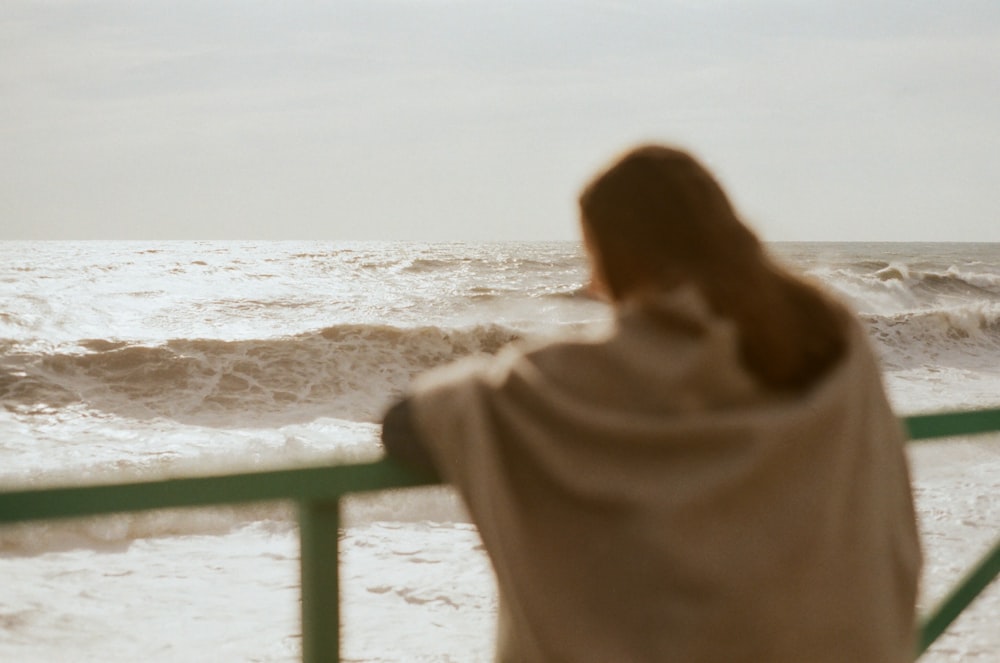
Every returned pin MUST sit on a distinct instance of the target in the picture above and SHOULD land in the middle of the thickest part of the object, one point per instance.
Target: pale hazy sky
(470, 120)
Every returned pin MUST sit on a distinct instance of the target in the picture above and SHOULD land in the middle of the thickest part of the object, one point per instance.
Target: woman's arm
(402, 440)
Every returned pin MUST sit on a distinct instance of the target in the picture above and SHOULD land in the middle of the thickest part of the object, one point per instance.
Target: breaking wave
(345, 371)
(883, 287)
(961, 337)
(352, 371)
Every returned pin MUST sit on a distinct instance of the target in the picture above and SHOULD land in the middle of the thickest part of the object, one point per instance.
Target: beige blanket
(641, 499)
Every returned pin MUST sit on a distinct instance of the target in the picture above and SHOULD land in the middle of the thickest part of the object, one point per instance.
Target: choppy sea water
(144, 360)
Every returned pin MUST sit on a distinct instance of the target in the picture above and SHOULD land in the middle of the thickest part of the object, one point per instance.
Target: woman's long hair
(656, 219)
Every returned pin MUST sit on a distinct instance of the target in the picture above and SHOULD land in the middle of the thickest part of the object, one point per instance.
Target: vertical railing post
(319, 525)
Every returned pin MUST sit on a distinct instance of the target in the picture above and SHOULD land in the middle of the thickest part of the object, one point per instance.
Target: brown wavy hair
(657, 219)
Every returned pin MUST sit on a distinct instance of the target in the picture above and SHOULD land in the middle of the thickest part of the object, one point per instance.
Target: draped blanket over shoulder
(643, 499)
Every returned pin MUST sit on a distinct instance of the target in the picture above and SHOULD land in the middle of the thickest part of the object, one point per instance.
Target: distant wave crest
(883, 287)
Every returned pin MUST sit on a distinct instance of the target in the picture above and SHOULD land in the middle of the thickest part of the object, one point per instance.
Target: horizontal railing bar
(308, 483)
(300, 484)
(950, 424)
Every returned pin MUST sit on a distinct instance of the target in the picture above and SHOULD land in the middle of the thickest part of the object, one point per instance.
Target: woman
(719, 478)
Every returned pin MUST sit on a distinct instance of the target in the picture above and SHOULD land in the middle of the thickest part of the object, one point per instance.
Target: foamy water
(124, 360)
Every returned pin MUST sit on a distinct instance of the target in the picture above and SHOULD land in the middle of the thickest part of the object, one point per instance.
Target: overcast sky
(471, 120)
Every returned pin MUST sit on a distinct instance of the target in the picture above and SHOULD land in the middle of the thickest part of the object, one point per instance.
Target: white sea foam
(133, 361)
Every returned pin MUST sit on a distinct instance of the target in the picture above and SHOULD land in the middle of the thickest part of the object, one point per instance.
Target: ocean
(143, 360)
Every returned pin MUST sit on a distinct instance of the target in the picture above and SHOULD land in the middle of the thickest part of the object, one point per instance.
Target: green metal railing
(317, 490)
(952, 424)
